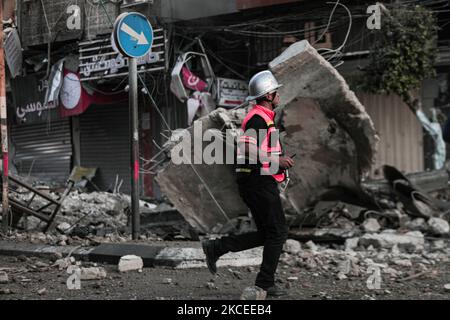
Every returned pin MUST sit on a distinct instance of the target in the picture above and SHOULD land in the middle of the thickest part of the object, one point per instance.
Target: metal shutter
(104, 144)
(43, 150)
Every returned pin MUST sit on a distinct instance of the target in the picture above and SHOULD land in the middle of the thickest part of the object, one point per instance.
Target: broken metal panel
(13, 52)
(176, 84)
(305, 73)
(401, 135)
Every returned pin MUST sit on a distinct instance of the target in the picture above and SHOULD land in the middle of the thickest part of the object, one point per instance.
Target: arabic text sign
(100, 60)
(231, 92)
(29, 97)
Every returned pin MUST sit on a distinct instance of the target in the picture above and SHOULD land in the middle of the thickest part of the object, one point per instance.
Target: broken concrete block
(3, 277)
(410, 241)
(305, 73)
(311, 246)
(130, 263)
(253, 293)
(438, 226)
(93, 273)
(371, 225)
(64, 263)
(42, 291)
(325, 125)
(418, 224)
(351, 244)
(292, 246)
(63, 227)
(402, 262)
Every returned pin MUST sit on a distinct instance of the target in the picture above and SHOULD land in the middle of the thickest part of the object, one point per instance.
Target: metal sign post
(133, 37)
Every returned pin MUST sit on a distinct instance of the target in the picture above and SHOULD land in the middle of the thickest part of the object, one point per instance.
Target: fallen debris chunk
(130, 263)
(42, 291)
(318, 107)
(402, 262)
(63, 227)
(253, 293)
(292, 278)
(93, 273)
(410, 241)
(167, 281)
(3, 277)
(311, 246)
(351, 244)
(447, 287)
(371, 225)
(211, 286)
(64, 263)
(438, 226)
(292, 246)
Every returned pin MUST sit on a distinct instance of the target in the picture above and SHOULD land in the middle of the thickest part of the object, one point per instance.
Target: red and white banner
(193, 82)
(74, 99)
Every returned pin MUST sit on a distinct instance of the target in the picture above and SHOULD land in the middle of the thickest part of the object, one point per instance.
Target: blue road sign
(133, 34)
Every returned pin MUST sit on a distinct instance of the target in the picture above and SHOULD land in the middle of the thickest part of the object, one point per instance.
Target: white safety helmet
(261, 84)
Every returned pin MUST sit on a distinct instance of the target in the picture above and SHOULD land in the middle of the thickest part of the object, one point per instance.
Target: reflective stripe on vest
(265, 144)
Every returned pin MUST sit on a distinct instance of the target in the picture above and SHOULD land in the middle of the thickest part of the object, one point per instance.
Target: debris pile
(324, 123)
(397, 256)
(91, 218)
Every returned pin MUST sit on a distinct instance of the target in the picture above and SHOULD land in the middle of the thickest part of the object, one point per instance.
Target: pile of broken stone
(85, 219)
(408, 248)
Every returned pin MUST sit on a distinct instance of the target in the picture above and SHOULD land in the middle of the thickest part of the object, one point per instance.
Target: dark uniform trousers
(261, 194)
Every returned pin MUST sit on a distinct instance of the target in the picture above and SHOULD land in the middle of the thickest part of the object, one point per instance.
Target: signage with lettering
(29, 96)
(99, 59)
(231, 92)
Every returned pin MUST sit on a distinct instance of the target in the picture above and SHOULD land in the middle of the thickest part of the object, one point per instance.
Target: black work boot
(276, 291)
(211, 254)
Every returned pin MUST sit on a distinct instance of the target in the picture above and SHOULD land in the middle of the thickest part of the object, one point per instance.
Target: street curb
(152, 255)
(9, 248)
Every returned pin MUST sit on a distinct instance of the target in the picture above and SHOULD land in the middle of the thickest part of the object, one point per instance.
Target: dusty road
(28, 277)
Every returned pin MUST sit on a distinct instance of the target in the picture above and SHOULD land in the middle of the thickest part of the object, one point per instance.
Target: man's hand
(286, 162)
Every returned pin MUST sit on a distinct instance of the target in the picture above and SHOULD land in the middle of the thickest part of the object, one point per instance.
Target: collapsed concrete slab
(324, 124)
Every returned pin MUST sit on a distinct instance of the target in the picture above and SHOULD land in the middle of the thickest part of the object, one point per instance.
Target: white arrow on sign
(141, 39)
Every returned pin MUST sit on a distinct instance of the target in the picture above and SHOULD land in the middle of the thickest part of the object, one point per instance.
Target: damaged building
(68, 108)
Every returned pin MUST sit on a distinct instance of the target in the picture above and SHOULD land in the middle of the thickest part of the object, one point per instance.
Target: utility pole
(4, 128)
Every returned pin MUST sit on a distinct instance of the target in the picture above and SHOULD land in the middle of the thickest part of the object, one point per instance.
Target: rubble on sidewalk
(93, 273)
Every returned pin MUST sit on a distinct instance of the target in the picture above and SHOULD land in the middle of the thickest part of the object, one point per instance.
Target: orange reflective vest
(265, 145)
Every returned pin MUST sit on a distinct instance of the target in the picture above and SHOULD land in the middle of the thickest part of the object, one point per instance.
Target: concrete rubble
(130, 263)
(344, 263)
(438, 226)
(253, 293)
(325, 125)
(3, 277)
(93, 273)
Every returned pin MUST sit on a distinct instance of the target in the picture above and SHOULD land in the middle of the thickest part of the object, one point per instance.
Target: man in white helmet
(257, 177)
